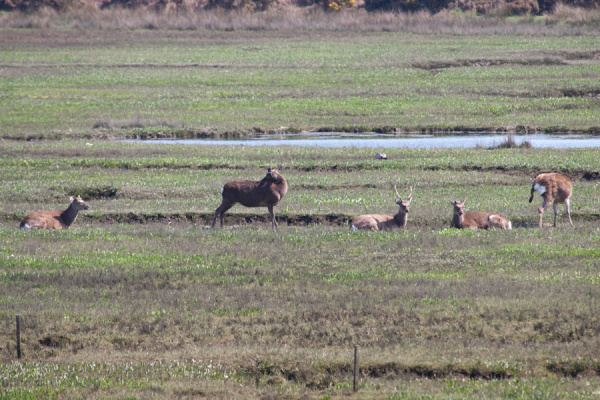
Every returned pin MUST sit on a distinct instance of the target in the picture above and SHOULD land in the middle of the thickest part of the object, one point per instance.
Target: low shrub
(484, 7)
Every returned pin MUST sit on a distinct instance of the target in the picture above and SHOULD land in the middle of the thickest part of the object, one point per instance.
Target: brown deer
(54, 219)
(554, 188)
(265, 193)
(476, 219)
(375, 222)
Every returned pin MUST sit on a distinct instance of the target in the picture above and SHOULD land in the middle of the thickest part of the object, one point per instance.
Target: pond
(382, 141)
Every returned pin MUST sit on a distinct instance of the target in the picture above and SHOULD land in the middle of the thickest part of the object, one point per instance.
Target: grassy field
(73, 83)
(141, 299)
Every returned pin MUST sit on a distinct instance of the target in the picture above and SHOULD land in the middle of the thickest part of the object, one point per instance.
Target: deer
(476, 219)
(554, 188)
(267, 192)
(375, 222)
(54, 219)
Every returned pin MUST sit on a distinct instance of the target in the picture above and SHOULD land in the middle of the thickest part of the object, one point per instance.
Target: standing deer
(476, 219)
(554, 188)
(265, 193)
(54, 219)
(375, 222)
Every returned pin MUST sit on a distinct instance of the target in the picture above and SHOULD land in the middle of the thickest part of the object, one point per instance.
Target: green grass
(140, 298)
(187, 83)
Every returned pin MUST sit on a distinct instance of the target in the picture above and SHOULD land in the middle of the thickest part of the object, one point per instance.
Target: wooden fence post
(355, 386)
(18, 336)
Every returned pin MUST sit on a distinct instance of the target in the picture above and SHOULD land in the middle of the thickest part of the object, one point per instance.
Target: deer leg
(567, 206)
(272, 214)
(212, 224)
(555, 206)
(541, 211)
(220, 211)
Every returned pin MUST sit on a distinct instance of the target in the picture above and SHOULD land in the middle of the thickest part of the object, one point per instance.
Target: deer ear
(464, 200)
(452, 202)
(71, 199)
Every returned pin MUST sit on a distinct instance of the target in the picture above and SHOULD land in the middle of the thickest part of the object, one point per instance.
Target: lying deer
(476, 219)
(54, 219)
(375, 222)
(265, 193)
(554, 188)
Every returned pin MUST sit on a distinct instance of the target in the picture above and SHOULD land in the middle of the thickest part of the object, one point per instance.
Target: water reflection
(381, 141)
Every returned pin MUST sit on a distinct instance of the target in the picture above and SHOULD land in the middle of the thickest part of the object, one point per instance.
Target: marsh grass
(510, 143)
(139, 307)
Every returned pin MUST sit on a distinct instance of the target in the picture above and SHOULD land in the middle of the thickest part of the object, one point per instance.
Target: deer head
(404, 204)
(273, 173)
(78, 203)
(459, 207)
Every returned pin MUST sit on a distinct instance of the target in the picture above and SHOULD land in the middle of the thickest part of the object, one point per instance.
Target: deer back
(42, 220)
(374, 222)
(552, 186)
(476, 220)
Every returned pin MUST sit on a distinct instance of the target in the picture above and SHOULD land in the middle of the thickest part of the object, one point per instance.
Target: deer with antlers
(554, 188)
(264, 193)
(54, 219)
(375, 222)
(476, 219)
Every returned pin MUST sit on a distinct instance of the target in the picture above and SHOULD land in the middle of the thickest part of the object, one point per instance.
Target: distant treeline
(495, 7)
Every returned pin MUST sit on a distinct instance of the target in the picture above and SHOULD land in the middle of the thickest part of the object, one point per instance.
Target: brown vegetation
(510, 143)
(484, 7)
(289, 18)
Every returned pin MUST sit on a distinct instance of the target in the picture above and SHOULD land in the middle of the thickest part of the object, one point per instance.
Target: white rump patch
(541, 189)
(354, 228)
(497, 221)
(223, 188)
(26, 226)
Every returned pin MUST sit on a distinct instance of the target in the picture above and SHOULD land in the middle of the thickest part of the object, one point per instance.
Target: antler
(409, 196)
(397, 192)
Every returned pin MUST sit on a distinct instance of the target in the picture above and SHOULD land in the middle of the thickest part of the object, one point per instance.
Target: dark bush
(433, 6)
(252, 5)
(495, 7)
(506, 7)
(519, 7)
(35, 5)
(547, 6)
